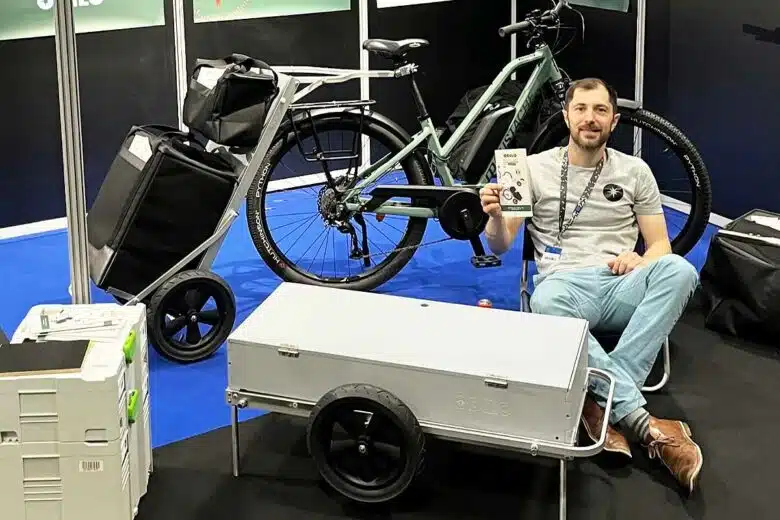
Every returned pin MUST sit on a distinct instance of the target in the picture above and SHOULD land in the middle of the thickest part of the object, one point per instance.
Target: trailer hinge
(288, 351)
(496, 383)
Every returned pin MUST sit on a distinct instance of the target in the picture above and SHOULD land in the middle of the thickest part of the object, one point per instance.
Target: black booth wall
(127, 77)
(723, 88)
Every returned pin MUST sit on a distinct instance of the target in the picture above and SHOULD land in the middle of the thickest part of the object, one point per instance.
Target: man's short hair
(591, 84)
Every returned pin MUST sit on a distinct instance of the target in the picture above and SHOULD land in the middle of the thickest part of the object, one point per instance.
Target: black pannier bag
(740, 280)
(164, 195)
(476, 149)
(228, 99)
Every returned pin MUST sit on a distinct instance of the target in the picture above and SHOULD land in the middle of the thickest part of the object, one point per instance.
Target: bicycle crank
(461, 216)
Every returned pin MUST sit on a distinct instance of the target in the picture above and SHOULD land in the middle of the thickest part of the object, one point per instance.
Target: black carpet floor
(728, 390)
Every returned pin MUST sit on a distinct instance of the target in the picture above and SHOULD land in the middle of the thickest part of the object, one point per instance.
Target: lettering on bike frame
(523, 108)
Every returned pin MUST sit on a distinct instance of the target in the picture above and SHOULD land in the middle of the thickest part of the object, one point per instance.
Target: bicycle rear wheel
(291, 198)
(679, 169)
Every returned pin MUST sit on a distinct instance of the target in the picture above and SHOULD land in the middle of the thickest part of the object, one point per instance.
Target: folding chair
(606, 340)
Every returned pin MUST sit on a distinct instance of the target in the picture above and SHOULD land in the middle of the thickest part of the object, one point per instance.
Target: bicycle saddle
(393, 48)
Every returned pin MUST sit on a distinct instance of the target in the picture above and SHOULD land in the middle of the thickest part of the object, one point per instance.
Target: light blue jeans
(644, 305)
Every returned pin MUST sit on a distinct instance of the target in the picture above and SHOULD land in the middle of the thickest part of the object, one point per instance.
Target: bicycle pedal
(481, 261)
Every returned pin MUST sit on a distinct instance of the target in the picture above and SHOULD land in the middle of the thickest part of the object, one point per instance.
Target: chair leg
(667, 370)
(525, 301)
(525, 295)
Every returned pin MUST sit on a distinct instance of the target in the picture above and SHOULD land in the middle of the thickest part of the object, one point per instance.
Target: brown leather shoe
(592, 420)
(672, 443)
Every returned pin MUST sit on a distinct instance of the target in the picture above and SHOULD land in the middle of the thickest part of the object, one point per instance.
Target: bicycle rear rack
(319, 154)
(321, 105)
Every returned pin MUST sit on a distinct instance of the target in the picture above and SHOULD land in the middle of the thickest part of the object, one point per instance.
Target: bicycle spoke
(292, 214)
(323, 232)
(325, 254)
(389, 225)
(293, 185)
(302, 233)
(382, 232)
(333, 243)
(313, 217)
(310, 220)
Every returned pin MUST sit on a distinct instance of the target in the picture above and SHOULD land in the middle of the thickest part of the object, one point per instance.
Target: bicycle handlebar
(546, 17)
(513, 28)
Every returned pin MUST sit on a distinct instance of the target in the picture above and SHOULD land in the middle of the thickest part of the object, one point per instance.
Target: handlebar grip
(513, 28)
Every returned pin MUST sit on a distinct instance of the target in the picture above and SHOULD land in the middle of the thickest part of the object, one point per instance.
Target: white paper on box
(513, 175)
(141, 147)
(209, 76)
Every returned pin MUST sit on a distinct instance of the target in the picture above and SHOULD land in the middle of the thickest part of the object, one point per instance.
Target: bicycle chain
(399, 249)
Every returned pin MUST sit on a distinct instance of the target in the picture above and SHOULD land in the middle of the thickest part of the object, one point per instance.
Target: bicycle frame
(545, 70)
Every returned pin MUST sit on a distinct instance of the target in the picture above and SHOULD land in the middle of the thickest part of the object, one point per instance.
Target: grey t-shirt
(606, 226)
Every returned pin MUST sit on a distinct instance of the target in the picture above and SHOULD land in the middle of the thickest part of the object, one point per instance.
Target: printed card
(513, 175)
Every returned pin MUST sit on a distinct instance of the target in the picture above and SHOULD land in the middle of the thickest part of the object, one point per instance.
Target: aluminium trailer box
(464, 371)
(76, 437)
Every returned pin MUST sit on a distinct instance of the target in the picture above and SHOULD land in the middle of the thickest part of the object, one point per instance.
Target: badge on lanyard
(552, 254)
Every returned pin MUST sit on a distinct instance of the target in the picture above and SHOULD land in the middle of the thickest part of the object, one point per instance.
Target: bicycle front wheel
(294, 214)
(678, 167)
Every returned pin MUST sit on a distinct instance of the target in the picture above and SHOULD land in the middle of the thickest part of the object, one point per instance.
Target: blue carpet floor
(189, 400)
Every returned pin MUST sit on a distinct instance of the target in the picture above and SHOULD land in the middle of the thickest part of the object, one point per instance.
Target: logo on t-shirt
(613, 192)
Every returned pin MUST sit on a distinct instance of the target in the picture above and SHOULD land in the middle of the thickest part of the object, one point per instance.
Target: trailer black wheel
(367, 444)
(190, 316)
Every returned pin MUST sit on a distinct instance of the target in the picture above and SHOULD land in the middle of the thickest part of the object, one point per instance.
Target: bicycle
(422, 160)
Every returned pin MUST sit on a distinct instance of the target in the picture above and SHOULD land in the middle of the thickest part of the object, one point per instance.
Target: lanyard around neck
(563, 227)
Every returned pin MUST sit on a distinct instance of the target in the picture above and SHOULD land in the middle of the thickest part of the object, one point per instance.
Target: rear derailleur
(335, 214)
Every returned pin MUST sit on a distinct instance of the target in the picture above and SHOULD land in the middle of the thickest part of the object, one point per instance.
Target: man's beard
(590, 144)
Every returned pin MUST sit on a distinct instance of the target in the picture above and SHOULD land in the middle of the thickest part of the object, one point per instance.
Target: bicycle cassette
(461, 215)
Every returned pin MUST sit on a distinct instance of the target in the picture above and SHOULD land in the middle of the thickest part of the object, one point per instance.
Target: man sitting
(588, 269)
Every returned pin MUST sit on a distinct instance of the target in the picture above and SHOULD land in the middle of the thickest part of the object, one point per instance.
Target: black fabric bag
(507, 95)
(232, 109)
(162, 197)
(740, 281)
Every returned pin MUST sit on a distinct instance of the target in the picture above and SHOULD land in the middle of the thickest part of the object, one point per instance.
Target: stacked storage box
(75, 440)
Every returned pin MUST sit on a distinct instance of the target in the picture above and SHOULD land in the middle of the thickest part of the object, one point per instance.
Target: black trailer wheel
(190, 316)
(367, 444)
